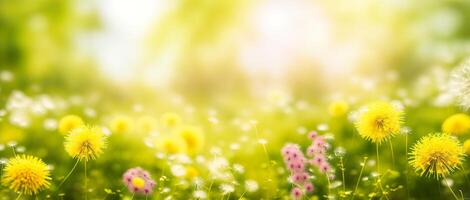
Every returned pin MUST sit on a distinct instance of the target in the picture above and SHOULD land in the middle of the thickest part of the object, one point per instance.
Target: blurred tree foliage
(38, 42)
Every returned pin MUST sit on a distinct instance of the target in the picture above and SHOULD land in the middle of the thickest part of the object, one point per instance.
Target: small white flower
(251, 186)
(459, 84)
(227, 188)
(238, 168)
(50, 124)
(200, 194)
(178, 170)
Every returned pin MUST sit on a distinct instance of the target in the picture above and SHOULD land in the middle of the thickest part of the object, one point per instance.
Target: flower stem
(359, 178)
(342, 172)
(19, 196)
(406, 175)
(393, 155)
(86, 182)
(329, 185)
(379, 180)
(450, 188)
(68, 175)
(132, 197)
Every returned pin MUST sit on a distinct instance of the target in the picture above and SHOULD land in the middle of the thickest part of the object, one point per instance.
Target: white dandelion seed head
(90, 112)
(12, 143)
(3, 161)
(6, 76)
(178, 170)
(234, 146)
(20, 118)
(323, 127)
(459, 84)
(447, 181)
(340, 151)
(50, 124)
(251, 186)
(200, 194)
(238, 168)
(227, 188)
(216, 151)
(200, 159)
(20, 149)
(106, 131)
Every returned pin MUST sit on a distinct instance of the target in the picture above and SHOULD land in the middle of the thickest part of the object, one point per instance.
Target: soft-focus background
(250, 75)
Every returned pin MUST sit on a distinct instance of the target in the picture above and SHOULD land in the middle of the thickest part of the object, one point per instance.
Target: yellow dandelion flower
(466, 146)
(456, 124)
(379, 122)
(121, 124)
(436, 154)
(171, 145)
(26, 175)
(191, 172)
(69, 122)
(338, 108)
(170, 119)
(193, 138)
(146, 123)
(85, 142)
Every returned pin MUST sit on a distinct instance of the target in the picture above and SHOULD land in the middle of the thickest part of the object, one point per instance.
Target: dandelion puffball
(460, 84)
(26, 174)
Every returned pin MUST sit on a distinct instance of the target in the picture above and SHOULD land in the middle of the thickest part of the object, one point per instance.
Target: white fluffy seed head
(460, 84)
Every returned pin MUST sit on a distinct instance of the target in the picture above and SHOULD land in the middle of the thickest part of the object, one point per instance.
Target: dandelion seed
(437, 154)
(85, 142)
(26, 175)
(379, 122)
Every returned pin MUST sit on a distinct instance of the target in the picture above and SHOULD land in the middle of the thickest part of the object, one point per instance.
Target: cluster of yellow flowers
(435, 154)
(28, 175)
(181, 138)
